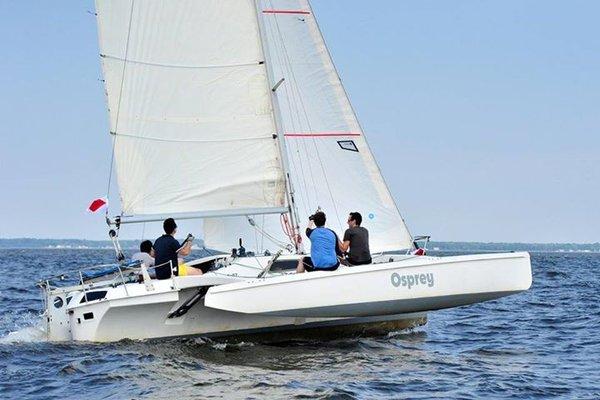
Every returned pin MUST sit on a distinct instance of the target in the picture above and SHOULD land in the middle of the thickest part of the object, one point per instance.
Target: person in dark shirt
(356, 238)
(323, 247)
(167, 248)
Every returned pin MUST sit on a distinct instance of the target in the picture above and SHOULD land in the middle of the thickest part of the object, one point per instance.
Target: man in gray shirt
(356, 238)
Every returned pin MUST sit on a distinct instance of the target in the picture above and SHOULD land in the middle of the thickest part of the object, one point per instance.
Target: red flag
(97, 205)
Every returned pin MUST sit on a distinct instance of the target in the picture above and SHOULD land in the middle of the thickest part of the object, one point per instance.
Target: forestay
(190, 109)
(331, 164)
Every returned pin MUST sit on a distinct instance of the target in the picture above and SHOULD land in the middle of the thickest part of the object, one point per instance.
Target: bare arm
(344, 246)
(185, 250)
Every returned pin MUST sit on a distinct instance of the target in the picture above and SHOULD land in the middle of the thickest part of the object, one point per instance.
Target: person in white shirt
(146, 254)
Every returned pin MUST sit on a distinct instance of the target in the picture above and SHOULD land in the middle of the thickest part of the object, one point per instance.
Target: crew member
(167, 248)
(323, 246)
(146, 254)
(356, 238)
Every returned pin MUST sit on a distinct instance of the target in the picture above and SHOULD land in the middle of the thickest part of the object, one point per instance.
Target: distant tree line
(539, 247)
(30, 243)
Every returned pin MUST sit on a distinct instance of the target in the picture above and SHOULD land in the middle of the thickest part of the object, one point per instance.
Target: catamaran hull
(394, 293)
(404, 286)
(113, 321)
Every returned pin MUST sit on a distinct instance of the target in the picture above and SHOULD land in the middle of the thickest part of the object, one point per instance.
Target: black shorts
(352, 262)
(309, 267)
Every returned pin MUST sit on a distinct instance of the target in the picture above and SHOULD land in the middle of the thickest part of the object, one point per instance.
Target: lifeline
(412, 280)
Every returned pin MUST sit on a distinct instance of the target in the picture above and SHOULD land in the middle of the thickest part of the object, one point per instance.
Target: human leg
(194, 271)
(186, 270)
(304, 265)
(300, 267)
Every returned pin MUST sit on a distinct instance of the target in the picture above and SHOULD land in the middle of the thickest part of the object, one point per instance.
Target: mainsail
(330, 163)
(190, 108)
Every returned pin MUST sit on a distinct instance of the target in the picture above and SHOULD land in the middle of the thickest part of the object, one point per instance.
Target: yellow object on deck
(182, 269)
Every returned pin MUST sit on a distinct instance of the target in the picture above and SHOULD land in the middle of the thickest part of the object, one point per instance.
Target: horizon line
(431, 241)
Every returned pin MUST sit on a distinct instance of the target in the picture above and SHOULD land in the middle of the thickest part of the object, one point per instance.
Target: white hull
(145, 316)
(145, 321)
(405, 286)
(356, 298)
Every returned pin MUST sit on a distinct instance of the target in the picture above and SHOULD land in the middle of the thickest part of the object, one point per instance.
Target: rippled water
(540, 344)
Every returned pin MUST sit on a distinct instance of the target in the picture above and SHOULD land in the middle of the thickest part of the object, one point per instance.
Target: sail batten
(166, 65)
(216, 140)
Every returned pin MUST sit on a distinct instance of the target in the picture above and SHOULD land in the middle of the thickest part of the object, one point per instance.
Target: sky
(484, 116)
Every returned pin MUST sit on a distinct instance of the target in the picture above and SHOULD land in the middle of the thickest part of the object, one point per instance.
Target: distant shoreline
(74, 244)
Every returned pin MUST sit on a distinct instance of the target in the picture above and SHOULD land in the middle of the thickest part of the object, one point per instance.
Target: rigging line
(295, 153)
(387, 188)
(258, 262)
(294, 150)
(292, 102)
(256, 248)
(112, 157)
(262, 238)
(297, 98)
(301, 157)
(304, 194)
(275, 273)
(275, 241)
(237, 276)
(333, 202)
(110, 169)
(276, 115)
(309, 124)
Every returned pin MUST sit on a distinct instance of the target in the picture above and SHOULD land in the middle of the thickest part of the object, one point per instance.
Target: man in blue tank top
(323, 247)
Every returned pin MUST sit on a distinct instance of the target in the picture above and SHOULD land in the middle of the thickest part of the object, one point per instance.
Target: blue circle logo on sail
(371, 215)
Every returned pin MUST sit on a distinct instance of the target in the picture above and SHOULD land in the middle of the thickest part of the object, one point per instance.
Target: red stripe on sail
(97, 204)
(286, 12)
(321, 134)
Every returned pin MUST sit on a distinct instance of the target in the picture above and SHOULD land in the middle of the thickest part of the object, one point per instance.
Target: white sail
(189, 106)
(331, 165)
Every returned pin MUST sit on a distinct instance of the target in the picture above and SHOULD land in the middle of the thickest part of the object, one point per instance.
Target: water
(544, 343)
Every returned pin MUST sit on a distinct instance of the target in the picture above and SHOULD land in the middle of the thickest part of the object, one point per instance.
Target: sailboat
(232, 112)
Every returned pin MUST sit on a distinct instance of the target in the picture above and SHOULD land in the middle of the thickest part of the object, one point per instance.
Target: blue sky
(483, 115)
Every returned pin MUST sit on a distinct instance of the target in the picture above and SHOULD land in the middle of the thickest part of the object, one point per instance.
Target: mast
(292, 208)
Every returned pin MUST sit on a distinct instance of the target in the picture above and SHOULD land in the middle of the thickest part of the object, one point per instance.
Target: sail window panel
(347, 145)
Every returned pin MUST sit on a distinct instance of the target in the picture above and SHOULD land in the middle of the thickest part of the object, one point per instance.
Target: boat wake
(231, 346)
(27, 328)
(221, 345)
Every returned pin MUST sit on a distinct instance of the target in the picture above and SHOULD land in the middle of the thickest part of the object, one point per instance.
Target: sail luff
(277, 117)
